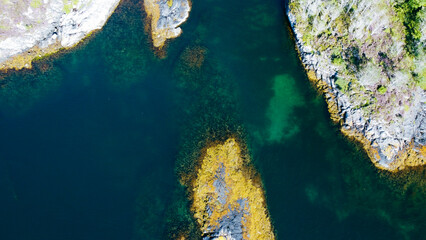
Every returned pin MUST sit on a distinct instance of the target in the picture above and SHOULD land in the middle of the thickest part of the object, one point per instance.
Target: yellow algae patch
(25, 59)
(408, 157)
(169, 3)
(224, 165)
(152, 10)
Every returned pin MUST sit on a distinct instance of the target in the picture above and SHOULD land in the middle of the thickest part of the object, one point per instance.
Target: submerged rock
(34, 28)
(165, 17)
(368, 58)
(228, 201)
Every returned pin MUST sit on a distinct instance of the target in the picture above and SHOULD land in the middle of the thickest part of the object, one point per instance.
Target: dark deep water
(90, 140)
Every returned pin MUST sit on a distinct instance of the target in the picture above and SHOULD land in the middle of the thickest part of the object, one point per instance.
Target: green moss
(382, 89)
(36, 3)
(4, 27)
(307, 38)
(422, 84)
(338, 61)
(422, 79)
(342, 84)
(294, 5)
(67, 8)
(406, 108)
(68, 5)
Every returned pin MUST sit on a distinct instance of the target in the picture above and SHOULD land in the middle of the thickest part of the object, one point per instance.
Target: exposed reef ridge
(228, 200)
(165, 17)
(33, 28)
(368, 58)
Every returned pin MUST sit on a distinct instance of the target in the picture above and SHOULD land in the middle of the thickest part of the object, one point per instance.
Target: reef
(31, 29)
(164, 19)
(227, 198)
(368, 59)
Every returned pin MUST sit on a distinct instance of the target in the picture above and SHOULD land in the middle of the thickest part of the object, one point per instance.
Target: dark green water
(92, 142)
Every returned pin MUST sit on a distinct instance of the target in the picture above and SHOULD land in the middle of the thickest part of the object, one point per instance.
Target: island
(368, 59)
(227, 196)
(31, 29)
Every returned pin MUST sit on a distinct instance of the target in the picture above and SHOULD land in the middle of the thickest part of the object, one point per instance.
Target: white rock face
(25, 24)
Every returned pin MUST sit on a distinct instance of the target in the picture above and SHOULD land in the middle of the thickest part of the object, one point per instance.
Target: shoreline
(163, 20)
(25, 60)
(62, 31)
(238, 208)
(408, 157)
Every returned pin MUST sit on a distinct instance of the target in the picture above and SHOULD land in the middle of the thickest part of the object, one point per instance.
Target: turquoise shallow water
(93, 141)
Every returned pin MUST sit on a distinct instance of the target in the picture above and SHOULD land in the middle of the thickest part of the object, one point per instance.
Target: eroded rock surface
(165, 17)
(33, 28)
(228, 201)
(368, 57)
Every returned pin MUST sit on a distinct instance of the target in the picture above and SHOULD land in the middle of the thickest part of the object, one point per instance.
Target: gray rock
(25, 24)
(357, 48)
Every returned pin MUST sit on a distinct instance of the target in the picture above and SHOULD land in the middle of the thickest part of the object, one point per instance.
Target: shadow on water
(94, 142)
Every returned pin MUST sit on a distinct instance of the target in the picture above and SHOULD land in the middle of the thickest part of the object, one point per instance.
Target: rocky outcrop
(33, 28)
(228, 201)
(165, 17)
(368, 58)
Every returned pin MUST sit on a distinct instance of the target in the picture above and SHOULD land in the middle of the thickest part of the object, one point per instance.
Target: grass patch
(342, 84)
(382, 89)
(36, 3)
(408, 11)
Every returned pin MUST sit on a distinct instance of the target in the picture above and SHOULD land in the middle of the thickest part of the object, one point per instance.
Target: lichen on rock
(164, 19)
(228, 200)
(31, 29)
(367, 57)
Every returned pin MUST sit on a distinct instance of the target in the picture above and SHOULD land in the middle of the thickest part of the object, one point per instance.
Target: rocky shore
(228, 200)
(165, 17)
(368, 59)
(31, 29)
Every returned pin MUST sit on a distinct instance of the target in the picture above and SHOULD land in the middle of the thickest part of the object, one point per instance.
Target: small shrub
(382, 89)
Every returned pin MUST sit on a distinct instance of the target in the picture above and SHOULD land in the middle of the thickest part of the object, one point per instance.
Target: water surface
(92, 141)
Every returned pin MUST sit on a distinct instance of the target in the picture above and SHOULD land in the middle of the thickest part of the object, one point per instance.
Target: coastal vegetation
(368, 59)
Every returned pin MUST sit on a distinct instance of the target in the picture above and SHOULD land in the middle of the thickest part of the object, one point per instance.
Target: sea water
(93, 140)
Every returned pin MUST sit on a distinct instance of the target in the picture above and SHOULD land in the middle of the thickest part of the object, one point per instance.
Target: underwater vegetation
(279, 112)
(226, 136)
(126, 60)
(21, 90)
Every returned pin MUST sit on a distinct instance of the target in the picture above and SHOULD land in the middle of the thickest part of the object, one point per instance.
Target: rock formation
(33, 28)
(368, 58)
(228, 201)
(165, 17)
